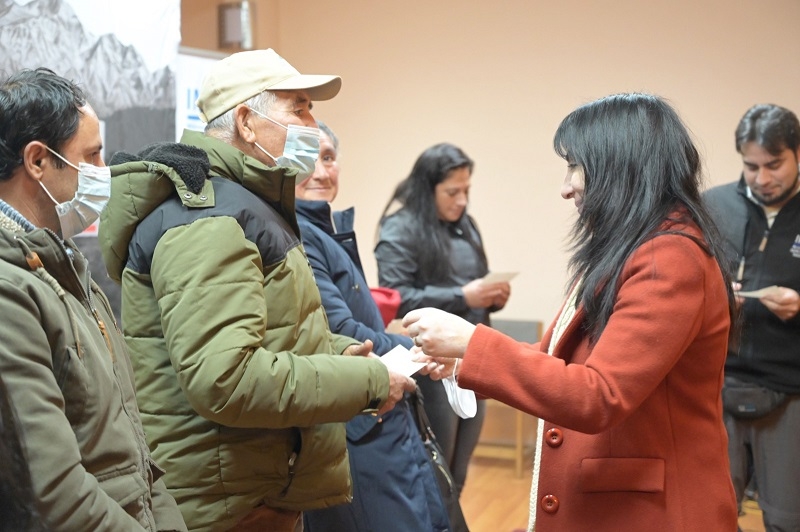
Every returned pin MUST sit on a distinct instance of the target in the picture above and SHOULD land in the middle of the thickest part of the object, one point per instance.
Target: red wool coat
(633, 436)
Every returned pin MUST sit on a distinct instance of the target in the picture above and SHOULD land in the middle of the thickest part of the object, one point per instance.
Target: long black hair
(640, 168)
(417, 194)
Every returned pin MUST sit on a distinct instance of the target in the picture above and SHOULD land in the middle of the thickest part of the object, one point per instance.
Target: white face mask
(300, 150)
(94, 189)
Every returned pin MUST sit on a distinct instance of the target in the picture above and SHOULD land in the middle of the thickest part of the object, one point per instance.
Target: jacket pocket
(74, 382)
(123, 485)
(622, 474)
(155, 471)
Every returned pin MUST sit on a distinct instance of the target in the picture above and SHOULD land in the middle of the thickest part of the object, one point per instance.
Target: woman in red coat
(626, 382)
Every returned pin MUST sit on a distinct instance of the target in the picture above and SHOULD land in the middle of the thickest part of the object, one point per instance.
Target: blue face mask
(94, 189)
(300, 151)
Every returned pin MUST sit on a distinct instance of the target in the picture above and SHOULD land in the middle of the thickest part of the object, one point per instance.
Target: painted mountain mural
(135, 105)
(48, 33)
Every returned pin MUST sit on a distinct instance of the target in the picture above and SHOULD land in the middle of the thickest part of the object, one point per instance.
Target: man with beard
(760, 219)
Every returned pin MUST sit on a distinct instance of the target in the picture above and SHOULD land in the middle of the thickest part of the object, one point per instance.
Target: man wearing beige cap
(240, 384)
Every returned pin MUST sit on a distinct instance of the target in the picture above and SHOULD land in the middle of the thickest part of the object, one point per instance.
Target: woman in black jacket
(430, 250)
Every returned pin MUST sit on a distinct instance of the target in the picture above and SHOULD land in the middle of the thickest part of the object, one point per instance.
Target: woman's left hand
(502, 295)
(439, 334)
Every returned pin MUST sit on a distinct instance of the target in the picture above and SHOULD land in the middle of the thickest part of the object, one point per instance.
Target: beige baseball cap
(242, 75)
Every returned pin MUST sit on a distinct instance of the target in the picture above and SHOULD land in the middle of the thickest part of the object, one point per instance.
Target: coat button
(554, 437)
(550, 504)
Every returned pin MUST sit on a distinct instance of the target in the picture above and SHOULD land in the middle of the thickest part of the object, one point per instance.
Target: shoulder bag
(441, 470)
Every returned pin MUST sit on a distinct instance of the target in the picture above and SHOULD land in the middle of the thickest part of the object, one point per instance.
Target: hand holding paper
(401, 360)
(492, 290)
(780, 300)
(761, 292)
(498, 277)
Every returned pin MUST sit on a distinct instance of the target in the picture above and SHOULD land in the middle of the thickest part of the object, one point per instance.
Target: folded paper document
(401, 360)
(498, 277)
(761, 292)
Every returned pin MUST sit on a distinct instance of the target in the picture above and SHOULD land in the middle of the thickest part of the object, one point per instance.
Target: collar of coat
(320, 214)
(138, 187)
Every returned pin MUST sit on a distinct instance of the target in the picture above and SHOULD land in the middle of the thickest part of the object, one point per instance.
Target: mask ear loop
(257, 145)
(47, 192)
(265, 117)
(268, 154)
(61, 157)
(66, 162)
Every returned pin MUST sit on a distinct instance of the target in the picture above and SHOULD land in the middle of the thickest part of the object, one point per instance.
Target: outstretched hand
(439, 334)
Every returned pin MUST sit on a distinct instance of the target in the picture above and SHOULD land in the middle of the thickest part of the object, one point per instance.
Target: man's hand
(359, 350)
(784, 303)
(398, 385)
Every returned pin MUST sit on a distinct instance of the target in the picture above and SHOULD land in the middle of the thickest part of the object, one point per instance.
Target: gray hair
(328, 131)
(224, 126)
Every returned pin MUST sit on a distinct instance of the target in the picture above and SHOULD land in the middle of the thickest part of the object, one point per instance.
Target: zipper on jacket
(102, 325)
(87, 292)
(764, 239)
(292, 460)
(761, 247)
(296, 447)
(107, 306)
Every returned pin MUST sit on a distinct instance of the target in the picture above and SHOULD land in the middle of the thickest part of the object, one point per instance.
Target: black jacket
(768, 350)
(398, 253)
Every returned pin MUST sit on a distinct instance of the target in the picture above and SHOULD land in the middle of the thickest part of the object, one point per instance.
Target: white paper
(499, 277)
(401, 360)
(463, 402)
(761, 292)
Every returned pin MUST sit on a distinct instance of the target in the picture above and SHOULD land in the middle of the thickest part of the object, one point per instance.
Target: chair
(523, 331)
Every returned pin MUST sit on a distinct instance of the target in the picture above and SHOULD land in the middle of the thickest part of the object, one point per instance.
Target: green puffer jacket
(70, 382)
(219, 302)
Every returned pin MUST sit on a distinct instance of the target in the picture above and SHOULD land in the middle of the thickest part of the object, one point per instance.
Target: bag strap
(417, 402)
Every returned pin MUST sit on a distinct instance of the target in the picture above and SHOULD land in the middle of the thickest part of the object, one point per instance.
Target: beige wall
(497, 77)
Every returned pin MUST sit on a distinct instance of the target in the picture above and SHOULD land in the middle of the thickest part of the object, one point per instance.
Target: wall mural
(121, 53)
